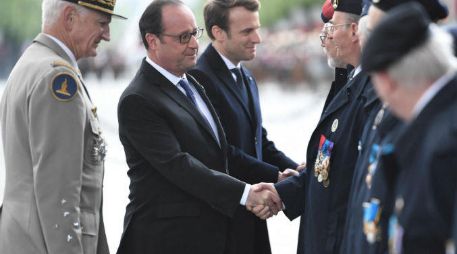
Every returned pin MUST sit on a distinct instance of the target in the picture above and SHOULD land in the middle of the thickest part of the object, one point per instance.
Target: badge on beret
(64, 87)
(335, 4)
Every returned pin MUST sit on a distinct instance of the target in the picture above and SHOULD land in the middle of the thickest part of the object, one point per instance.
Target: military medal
(379, 116)
(371, 216)
(322, 164)
(373, 162)
(98, 149)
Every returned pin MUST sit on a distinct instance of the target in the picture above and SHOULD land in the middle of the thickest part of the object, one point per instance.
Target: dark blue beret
(435, 8)
(348, 6)
(403, 29)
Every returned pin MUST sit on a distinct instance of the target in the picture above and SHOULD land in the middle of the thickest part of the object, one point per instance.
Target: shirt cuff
(244, 198)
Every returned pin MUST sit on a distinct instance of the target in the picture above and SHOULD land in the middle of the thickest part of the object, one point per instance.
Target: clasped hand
(263, 200)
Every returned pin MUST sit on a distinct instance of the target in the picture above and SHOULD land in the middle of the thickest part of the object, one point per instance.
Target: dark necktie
(241, 86)
(185, 85)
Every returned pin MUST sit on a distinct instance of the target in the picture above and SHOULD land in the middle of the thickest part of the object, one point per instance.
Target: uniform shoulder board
(58, 63)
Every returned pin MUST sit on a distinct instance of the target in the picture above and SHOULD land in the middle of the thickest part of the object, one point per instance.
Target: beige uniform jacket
(53, 157)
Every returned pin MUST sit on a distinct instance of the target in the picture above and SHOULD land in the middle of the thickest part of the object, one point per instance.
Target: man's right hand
(263, 200)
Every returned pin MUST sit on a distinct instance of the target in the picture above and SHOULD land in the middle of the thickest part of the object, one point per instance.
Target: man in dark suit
(417, 79)
(233, 27)
(181, 196)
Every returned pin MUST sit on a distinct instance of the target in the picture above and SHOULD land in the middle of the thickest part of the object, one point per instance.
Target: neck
(224, 52)
(62, 36)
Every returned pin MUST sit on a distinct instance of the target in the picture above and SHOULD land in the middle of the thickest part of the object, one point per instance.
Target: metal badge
(335, 125)
(98, 149)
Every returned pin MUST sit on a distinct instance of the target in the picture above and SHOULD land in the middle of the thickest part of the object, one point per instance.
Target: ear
(354, 30)
(69, 17)
(218, 33)
(152, 40)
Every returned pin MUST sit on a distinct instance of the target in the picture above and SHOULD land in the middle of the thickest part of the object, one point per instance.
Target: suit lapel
(177, 96)
(226, 77)
(252, 95)
(201, 91)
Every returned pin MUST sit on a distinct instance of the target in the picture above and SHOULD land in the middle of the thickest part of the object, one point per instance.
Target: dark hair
(216, 12)
(151, 20)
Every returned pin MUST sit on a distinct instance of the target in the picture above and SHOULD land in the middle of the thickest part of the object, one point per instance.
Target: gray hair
(428, 62)
(51, 11)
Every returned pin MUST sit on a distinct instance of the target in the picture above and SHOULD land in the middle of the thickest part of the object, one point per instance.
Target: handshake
(263, 199)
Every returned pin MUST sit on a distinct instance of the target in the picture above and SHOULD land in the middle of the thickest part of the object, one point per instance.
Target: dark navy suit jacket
(242, 124)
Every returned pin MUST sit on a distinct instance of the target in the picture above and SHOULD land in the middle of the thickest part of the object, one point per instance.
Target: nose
(256, 38)
(193, 42)
(106, 35)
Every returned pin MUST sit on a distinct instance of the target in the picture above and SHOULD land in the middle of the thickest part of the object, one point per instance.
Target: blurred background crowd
(290, 53)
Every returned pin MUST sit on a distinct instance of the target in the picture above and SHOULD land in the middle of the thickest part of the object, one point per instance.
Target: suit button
(255, 140)
(399, 204)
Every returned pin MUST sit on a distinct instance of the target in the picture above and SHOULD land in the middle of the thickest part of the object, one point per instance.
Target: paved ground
(289, 116)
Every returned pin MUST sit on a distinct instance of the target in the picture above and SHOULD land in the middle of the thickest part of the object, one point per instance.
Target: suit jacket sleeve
(57, 147)
(154, 139)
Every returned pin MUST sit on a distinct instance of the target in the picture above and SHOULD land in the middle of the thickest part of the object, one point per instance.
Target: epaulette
(57, 63)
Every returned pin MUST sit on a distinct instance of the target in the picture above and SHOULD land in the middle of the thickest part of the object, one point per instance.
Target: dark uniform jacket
(243, 127)
(425, 186)
(380, 127)
(323, 209)
(181, 197)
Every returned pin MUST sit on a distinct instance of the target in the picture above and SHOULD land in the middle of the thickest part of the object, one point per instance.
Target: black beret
(348, 6)
(403, 29)
(104, 6)
(435, 8)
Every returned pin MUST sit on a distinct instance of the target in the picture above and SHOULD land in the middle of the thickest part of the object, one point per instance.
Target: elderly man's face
(90, 29)
(330, 49)
(167, 49)
(338, 39)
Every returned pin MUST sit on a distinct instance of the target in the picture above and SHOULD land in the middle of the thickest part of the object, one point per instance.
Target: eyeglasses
(330, 28)
(184, 38)
(324, 32)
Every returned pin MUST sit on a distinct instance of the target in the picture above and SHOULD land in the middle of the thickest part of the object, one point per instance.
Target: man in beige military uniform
(52, 141)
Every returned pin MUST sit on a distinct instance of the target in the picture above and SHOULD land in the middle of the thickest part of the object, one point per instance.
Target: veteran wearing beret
(414, 72)
(53, 145)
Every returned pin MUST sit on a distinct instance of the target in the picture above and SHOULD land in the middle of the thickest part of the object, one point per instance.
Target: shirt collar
(66, 49)
(357, 70)
(171, 77)
(431, 92)
(228, 63)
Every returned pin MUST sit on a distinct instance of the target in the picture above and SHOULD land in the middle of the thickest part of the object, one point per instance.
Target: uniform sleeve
(149, 133)
(57, 144)
(293, 195)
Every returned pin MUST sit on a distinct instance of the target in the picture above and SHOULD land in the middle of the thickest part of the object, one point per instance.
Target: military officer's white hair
(428, 62)
(52, 8)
